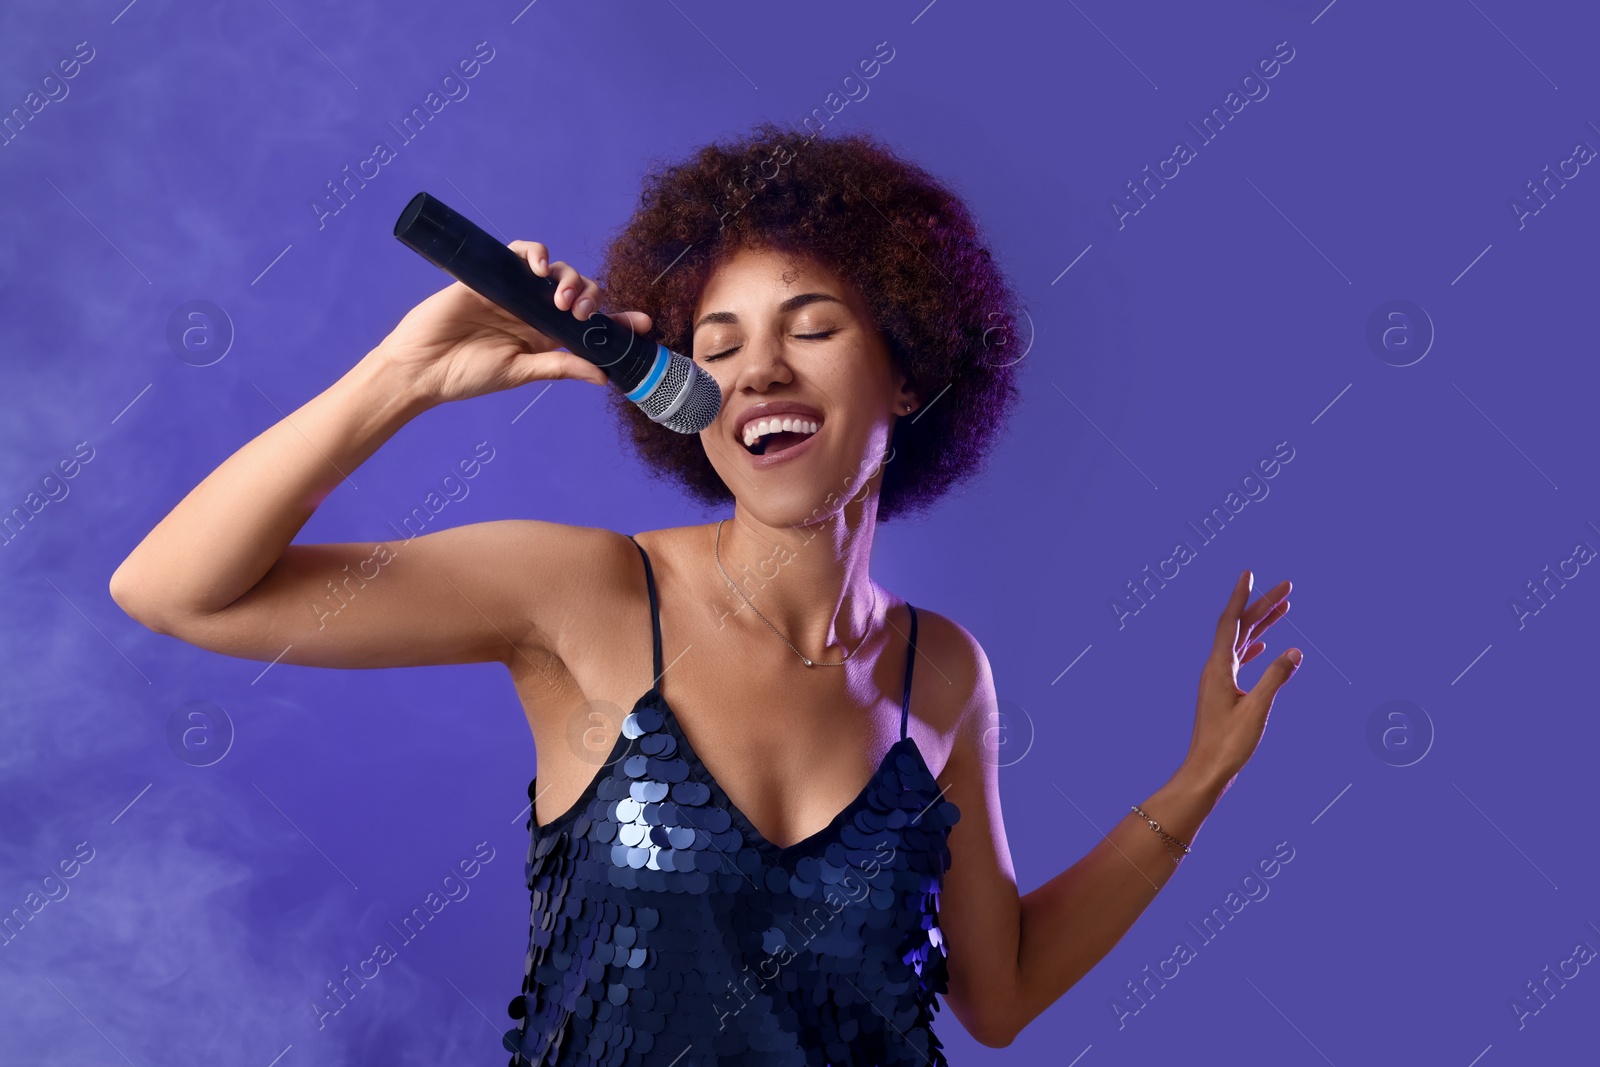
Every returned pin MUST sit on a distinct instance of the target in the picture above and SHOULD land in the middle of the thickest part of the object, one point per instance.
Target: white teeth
(756, 429)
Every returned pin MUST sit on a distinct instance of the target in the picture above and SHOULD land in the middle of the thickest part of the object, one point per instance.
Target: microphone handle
(458, 246)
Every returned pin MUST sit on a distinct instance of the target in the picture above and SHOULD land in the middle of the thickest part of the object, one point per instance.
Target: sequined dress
(666, 930)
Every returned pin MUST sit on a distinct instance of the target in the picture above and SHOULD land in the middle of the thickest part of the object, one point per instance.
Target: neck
(811, 581)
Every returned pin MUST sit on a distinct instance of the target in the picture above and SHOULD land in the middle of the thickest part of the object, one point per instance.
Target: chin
(798, 503)
(789, 506)
(811, 485)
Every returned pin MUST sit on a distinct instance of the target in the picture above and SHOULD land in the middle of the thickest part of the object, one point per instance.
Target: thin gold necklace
(716, 552)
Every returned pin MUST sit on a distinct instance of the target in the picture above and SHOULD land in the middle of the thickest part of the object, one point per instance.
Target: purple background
(1229, 314)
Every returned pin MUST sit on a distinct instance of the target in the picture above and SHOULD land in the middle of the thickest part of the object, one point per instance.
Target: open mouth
(763, 436)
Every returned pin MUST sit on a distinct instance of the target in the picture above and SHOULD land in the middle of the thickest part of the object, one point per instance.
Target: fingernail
(584, 307)
(1294, 656)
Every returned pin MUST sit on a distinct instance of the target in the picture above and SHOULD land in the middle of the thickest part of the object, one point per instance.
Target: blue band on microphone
(651, 380)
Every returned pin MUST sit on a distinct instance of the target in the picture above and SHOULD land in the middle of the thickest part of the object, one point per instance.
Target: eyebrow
(793, 303)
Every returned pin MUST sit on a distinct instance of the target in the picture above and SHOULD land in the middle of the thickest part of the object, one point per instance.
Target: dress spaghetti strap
(655, 611)
(911, 659)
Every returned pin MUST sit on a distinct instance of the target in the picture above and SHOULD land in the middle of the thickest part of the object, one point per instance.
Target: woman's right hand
(458, 344)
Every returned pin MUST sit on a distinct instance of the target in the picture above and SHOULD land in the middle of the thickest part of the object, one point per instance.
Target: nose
(763, 365)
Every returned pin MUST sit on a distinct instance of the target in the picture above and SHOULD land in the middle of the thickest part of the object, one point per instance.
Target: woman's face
(791, 344)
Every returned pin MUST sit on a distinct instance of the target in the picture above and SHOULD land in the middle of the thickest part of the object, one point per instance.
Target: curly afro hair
(943, 305)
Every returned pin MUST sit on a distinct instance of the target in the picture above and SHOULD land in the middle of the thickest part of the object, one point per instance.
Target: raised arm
(1013, 956)
(219, 570)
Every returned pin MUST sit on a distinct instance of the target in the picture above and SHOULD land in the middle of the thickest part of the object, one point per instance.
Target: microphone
(669, 388)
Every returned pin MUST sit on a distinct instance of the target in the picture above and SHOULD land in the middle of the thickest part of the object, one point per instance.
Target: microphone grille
(686, 400)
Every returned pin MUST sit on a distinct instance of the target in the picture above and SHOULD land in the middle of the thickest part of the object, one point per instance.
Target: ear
(906, 400)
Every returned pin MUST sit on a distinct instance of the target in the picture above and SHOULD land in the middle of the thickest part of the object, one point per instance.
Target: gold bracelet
(1166, 839)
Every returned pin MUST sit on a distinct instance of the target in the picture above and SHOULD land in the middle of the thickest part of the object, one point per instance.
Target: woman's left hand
(1228, 721)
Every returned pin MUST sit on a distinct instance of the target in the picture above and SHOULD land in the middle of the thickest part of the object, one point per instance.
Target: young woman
(791, 840)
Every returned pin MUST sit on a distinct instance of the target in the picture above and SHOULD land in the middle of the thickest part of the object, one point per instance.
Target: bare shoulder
(953, 669)
(551, 555)
(566, 566)
(556, 575)
(594, 580)
(582, 555)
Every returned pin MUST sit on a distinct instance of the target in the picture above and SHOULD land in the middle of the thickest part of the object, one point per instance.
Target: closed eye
(803, 336)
